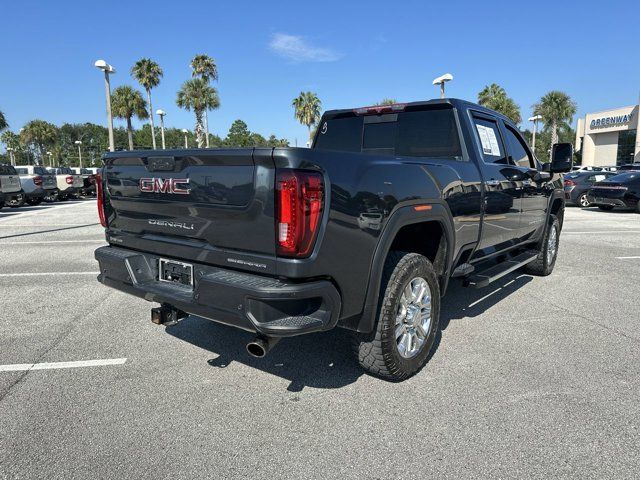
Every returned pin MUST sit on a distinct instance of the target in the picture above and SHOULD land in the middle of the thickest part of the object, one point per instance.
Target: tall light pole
(107, 69)
(79, 143)
(12, 159)
(535, 120)
(447, 77)
(161, 113)
(50, 159)
(186, 143)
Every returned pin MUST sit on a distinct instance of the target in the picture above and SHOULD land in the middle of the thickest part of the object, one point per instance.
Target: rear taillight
(69, 180)
(100, 197)
(37, 181)
(299, 199)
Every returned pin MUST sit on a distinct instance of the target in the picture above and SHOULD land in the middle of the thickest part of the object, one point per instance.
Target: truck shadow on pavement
(325, 360)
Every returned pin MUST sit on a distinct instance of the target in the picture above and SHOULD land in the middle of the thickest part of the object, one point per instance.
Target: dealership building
(609, 137)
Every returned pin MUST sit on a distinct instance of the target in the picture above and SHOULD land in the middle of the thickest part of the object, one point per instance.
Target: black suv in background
(621, 190)
(577, 185)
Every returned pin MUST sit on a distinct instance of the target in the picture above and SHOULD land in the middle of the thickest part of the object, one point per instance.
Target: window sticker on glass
(490, 145)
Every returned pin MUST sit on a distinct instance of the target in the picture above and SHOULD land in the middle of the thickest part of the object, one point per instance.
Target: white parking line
(50, 225)
(39, 211)
(45, 274)
(53, 241)
(601, 231)
(628, 258)
(21, 367)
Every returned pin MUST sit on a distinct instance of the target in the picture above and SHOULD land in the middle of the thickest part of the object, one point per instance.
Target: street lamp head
(78, 142)
(49, 153)
(535, 118)
(102, 65)
(185, 131)
(161, 112)
(447, 77)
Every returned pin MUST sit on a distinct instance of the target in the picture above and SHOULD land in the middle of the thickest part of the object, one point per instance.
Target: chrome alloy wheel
(552, 244)
(583, 200)
(413, 319)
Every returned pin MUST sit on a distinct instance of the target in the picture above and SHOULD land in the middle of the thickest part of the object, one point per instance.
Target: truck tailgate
(10, 183)
(215, 199)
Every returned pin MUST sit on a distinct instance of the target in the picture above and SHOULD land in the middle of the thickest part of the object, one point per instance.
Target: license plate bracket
(174, 272)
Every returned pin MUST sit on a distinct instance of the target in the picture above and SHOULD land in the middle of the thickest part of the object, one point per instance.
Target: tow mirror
(561, 157)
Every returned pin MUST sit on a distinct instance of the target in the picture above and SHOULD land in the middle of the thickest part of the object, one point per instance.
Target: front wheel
(408, 319)
(548, 251)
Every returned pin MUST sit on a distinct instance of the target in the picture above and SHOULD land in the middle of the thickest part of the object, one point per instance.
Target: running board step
(485, 277)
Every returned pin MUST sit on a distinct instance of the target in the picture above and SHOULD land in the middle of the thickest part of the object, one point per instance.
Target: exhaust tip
(256, 349)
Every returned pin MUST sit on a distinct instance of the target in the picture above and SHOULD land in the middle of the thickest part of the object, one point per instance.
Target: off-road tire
(19, 204)
(543, 265)
(377, 352)
(605, 207)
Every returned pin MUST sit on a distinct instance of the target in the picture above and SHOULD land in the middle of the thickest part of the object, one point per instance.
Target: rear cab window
(7, 170)
(432, 132)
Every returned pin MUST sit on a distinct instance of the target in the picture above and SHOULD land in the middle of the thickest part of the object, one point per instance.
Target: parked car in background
(88, 180)
(12, 193)
(68, 183)
(590, 168)
(28, 174)
(577, 185)
(629, 166)
(621, 190)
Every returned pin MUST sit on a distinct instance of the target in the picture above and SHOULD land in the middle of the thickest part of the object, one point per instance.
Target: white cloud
(296, 48)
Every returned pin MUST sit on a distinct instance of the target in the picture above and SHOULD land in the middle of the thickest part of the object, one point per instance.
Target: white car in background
(11, 193)
(68, 183)
(37, 183)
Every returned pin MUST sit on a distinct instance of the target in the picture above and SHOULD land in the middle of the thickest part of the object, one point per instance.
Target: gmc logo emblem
(178, 186)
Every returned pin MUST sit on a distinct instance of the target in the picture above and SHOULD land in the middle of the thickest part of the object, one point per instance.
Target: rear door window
(490, 141)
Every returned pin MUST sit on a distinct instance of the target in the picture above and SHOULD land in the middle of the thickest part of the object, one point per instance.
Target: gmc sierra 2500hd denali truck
(363, 231)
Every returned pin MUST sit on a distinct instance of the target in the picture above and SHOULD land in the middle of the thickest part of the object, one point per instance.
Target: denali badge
(165, 185)
(165, 223)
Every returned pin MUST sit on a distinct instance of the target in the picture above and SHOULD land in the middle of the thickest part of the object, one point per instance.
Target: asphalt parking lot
(533, 377)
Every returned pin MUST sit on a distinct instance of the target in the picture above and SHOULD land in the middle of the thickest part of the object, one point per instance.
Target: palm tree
(3, 122)
(125, 103)
(495, 97)
(41, 134)
(148, 74)
(387, 101)
(197, 95)
(307, 109)
(203, 66)
(557, 110)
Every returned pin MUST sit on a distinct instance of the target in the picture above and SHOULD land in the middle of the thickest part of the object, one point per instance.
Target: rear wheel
(408, 319)
(583, 201)
(548, 252)
(605, 207)
(18, 203)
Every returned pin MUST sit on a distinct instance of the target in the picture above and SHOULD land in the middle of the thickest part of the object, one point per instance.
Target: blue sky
(350, 53)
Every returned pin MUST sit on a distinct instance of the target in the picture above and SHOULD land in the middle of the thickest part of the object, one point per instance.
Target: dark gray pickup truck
(363, 231)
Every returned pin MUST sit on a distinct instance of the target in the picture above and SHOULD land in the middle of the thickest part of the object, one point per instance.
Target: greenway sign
(613, 121)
